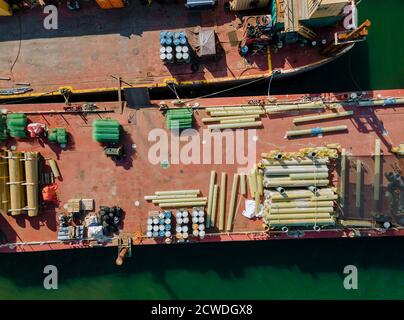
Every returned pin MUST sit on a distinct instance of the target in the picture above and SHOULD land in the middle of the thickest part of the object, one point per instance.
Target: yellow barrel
(15, 170)
(4, 187)
(31, 176)
(5, 9)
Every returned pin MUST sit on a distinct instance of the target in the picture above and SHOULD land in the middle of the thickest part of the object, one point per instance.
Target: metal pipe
(31, 175)
(300, 204)
(285, 163)
(380, 102)
(182, 204)
(358, 186)
(175, 196)
(210, 198)
(303, 222)
(214, 205)
(376, 182)
(343, 178)
(215, 119)
(317, 175)
(235, 125)
(180, 200)
(295, 183)
(176, 192)
(232, 203)
(260, 182)
(323, 116)
(292, 107)
(278, 170)
(54, 168)
(315, 131)
(301, 210)
(292, 216)
(252, 184)
(236, 113)
(243, 120)
(312, 198)
(243, 186)
(239, 108)
(222, 201)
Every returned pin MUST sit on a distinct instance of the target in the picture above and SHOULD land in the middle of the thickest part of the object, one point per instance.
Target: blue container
(177, 42)
(182, 34)
(161, 221)
(169, 34)
(177, 35)
(155, 234)
(183, 41)
(168, 227)
(162, 41)
(162, 34)
(168, 214)
(162, 233)
(169, 41)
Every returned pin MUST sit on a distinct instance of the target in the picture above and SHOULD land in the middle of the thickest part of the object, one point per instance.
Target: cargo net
(297, 188)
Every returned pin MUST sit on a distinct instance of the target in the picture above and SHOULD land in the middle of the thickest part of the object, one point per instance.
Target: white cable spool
(155, 234)
(185, 49)
(201, 227)
(149, 234)
(195, 220)
(185, 235)
(155, 221)
(195, 233)
(168, 234)
(161, 215)
(184, 229)
(194, 213)
(149, 227)
(201, 234)
(185, 220)
(201, 213)
(178, 229)
(149, 221)
(179, 220)
(167, 221)
(185, 55)
(386, 225)
(162, 227)
(163, 50)
(185, 214)
(156, 228)
(178, 56)
(201, 220)
(170, 57)
(178, 49)
(178, 214)
(163, 56)
(169, 49)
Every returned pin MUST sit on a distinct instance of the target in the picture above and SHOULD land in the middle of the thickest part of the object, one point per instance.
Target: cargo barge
(169, 44)
(130, 173)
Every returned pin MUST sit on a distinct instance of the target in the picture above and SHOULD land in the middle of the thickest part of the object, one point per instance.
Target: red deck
(88, 173)
(92, 44)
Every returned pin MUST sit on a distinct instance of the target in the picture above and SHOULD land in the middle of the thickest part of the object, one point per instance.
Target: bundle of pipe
(177, 199)
(16, 174)
(31, 175)
(279, 108)
(237, 117)
(287, 206)
(255, 183)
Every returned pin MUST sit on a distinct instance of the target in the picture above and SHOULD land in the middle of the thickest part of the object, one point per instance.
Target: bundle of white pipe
(294, 107)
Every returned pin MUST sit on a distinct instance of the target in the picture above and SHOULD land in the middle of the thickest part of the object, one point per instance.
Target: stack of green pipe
(3, 127)
(106, 131)
(179, 118)
(16, 123)
(58, 135)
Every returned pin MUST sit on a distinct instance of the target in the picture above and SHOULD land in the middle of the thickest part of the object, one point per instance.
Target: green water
(263, 270)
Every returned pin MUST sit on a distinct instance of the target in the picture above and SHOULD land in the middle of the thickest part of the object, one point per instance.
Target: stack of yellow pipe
(4, 187)
(16, 174)
(297, 191)
(234, 117)
(177, 198)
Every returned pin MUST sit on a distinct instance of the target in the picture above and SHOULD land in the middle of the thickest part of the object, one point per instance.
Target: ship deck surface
(92, 44)
(88, 173)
